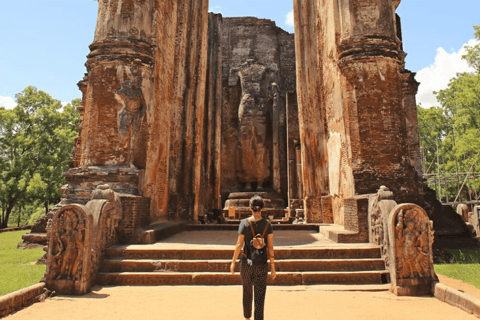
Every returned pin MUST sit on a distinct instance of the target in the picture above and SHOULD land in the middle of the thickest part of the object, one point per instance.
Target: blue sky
(44, 43)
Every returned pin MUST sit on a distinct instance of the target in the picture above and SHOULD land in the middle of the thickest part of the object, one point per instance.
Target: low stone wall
(457, 298)
(16, 228)
(22, 298)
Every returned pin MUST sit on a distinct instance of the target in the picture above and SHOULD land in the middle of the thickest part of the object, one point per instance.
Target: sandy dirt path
(202, 302)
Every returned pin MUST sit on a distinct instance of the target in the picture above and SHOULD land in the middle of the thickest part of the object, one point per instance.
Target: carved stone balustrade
(411, 255)
(78, 236)
(405, 234)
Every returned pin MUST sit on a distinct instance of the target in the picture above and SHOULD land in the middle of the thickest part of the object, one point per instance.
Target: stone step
(277, 225)
(216, 278)
(338, 234)
(149, 265)
(158, 232)
(147, 252)
(40, 238)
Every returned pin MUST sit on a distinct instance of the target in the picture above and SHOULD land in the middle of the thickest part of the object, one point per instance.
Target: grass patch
(16, 269)
(466, 267)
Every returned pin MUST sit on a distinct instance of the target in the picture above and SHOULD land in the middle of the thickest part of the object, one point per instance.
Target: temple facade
(185, 112)
(226, 107)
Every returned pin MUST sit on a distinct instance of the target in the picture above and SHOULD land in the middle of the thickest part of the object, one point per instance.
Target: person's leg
(246, 272)
(260, 287)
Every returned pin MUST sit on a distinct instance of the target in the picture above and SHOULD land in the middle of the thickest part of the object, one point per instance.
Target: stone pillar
(176, 159)
(371, 60)
(292, 186)
(298, 161)
(311, 112)
(117, 93)
(275, 138)
(75, 158)
(117, 102)
(410, 89)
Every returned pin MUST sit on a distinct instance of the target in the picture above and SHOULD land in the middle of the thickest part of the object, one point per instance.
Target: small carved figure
(130, 116)
(415, 245)
(70, 244)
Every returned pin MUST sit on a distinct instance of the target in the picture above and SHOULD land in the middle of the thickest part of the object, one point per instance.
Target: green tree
(453, 130)
(473, 53)
(433, 128)
(36, 141)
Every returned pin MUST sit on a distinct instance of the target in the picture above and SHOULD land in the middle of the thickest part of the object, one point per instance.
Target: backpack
(258, 248)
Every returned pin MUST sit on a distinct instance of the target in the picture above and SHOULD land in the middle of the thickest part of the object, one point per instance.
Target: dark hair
(256, 203)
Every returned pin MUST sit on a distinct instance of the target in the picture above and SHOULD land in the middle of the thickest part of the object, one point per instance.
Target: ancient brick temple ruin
(185, 113)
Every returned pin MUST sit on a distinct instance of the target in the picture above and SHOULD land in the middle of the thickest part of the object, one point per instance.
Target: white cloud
(289, 21)
(215, 9)
(7, 102)
(437, 76)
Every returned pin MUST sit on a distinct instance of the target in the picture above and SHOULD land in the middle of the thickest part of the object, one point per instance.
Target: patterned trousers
(255, 277)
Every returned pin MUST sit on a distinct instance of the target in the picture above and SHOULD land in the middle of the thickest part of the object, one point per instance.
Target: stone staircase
(177, 264)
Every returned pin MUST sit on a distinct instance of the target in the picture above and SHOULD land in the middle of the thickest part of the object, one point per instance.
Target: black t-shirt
(258, 227)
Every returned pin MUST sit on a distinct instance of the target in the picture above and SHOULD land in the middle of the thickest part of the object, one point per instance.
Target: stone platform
(203, 258)
(274, 204)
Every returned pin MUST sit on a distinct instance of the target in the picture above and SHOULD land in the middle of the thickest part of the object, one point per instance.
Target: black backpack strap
(265, 230)
(251, 227)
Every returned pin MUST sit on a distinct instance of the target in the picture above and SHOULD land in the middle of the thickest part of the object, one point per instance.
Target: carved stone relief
(130, 116)
(411, 240)
(380, 206)
(78, 238)
(67, 241)
(412, 256)
(253, 153)
(68, 260)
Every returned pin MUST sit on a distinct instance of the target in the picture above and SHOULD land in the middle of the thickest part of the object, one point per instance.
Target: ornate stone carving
(380, 206)
(130, 117)
(110, 210)
(68, 258)
(70, 245)
(67, 241)
(78, 237)
(411, 240)
(413, 254)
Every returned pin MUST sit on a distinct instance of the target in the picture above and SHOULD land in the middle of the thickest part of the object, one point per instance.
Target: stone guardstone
(411, 254)
(474, 220)
(274, 204)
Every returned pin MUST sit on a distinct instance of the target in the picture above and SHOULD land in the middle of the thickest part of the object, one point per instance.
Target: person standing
(254, 277)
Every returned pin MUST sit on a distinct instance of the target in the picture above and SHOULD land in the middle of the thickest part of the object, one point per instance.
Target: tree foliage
(453, 129)
(473, 53)
(36, 140)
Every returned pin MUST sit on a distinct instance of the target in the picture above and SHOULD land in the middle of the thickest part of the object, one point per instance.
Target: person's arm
(271, 256)
(238, 249)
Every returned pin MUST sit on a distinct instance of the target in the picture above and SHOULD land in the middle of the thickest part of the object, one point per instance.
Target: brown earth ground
(224, 302)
